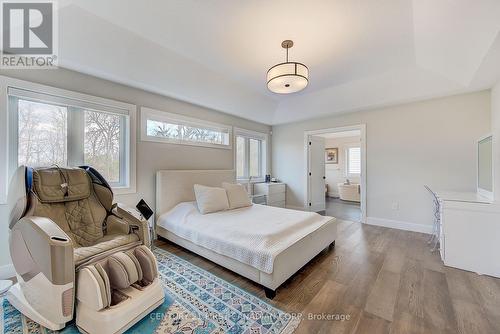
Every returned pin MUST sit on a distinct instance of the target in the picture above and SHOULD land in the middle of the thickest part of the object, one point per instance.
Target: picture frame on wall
(332, 155)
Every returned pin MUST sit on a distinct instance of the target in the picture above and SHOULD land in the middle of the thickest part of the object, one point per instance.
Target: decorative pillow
(237, 195)
(210, 199)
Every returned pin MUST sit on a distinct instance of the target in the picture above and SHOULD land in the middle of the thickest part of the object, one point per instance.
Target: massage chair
(75, 252)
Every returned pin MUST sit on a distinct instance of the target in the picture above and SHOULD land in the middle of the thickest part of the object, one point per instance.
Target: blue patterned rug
(195, 302)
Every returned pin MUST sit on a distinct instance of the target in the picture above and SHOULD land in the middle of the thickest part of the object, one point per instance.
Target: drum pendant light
(288, 77)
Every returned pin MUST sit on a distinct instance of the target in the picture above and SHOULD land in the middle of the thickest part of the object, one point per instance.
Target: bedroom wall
(430, 142)
(336, 173)
(150, 156)
(6, 268)
(495, 130)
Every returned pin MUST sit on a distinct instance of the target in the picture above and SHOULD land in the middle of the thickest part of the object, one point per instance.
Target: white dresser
(469, 230)
(275, 193)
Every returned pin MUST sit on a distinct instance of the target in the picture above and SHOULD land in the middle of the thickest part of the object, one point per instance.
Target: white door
(316, 173)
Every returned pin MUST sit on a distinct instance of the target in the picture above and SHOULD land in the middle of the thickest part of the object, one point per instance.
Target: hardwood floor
(379, 280)
(344, 210)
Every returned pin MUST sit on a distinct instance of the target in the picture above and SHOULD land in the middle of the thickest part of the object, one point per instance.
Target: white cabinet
(275, 193)
(469, 230)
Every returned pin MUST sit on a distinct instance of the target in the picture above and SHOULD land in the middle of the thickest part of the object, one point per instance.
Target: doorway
(336, 172)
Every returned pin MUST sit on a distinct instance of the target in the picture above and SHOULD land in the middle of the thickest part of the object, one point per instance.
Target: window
(42, 134)
(103, 144)
(250, 156)
(66, 130)
(176, 129)
(353, 161)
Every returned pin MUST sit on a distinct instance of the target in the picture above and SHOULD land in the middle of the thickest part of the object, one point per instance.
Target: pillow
(210, 199)
(237, 195)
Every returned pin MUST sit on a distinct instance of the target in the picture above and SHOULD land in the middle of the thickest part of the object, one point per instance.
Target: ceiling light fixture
(288, 77)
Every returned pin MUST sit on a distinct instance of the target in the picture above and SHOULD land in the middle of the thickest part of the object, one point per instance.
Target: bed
(278, 243)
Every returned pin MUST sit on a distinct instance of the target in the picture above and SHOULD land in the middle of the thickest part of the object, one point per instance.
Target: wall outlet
(395, 206)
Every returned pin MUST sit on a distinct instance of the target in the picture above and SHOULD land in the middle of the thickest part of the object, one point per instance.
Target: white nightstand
(275, 193)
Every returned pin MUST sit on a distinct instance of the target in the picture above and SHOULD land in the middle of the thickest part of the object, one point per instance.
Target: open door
(316, 173)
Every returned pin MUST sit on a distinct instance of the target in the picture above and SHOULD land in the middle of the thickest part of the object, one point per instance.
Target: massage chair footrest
(116, 292)
(120, 317)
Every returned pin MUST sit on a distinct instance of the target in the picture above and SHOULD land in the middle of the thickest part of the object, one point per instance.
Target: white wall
(430, 142)
(150, 156)
(336, 173)
(495, 130)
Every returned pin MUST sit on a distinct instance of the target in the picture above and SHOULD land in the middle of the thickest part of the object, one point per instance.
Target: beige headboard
(176, 186)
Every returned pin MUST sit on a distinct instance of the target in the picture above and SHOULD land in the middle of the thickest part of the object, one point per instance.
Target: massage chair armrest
(39, 245)
(136, 223)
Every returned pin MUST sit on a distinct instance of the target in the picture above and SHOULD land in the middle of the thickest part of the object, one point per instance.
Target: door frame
(362, 129)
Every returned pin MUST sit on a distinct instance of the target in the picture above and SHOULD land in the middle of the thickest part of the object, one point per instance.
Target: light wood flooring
(385, 280)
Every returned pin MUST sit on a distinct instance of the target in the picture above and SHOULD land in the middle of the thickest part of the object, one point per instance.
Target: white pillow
(210, 199)
(237, 195)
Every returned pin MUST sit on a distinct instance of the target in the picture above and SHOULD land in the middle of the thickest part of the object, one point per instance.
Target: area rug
(196, 301)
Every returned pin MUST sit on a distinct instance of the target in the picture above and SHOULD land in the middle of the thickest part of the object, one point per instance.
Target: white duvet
(254, 235)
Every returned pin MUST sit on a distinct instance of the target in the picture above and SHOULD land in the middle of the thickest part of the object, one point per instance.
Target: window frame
(249, 134)
(347, 154)
(90, 102)
(164, 116)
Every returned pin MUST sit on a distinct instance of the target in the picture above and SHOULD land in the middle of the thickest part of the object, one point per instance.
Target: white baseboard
(334, 195)
(7, 271)
(400, 225)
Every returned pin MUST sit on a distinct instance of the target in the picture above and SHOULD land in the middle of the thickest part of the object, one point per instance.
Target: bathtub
(350, 192)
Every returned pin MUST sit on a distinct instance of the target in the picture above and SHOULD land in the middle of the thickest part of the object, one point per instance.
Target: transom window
(57, 130)
(250, 154)
(177, 129)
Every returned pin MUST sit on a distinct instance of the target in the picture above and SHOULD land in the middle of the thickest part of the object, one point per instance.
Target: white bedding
(254, 235)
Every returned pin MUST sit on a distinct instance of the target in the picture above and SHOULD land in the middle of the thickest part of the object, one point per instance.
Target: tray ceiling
(361, 54)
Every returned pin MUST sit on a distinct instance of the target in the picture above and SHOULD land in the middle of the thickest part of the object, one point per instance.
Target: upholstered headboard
(176, 186)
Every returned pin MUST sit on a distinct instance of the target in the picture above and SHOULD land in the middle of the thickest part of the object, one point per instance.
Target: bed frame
(176, 186)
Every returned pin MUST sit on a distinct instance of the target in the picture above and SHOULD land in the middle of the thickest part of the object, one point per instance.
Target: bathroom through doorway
(336, 178)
